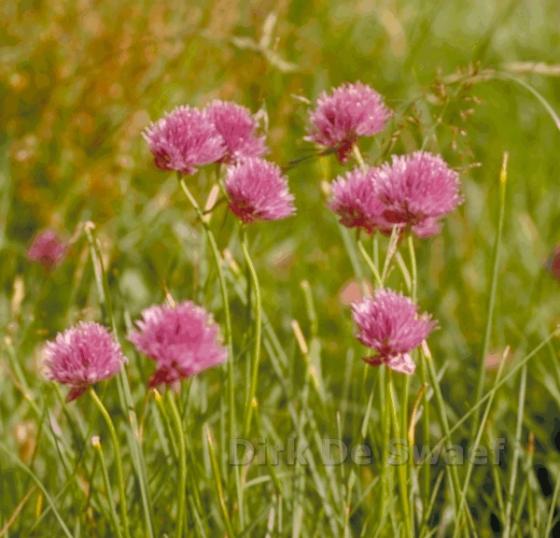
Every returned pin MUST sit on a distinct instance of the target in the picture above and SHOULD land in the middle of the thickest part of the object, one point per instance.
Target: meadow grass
(475, 81)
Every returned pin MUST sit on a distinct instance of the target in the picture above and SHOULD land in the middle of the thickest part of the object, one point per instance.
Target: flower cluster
(181, 339)
(82, 356)
(257, 190)
(183, 140)
(348, 113)
(226, 133)
(389, 324)
(413, 192)
(237, 127)
(410, 193)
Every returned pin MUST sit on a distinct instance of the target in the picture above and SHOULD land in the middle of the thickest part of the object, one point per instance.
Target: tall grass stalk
(217, 258)
(256, 355)
(401, 468)
(474, 449)
(182, 453)
(125, 395)
(493, 287)
(118, 460)
(96, 443)
(516, 451)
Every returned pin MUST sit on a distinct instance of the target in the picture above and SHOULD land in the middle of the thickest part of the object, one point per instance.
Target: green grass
(78, 83)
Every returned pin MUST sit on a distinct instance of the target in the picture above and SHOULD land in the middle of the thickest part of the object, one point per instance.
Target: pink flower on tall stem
(351, 111)
(389, 324)
(182, 339)
(82, 356)
(47, 248)
(354, 200)
(417, 191)
(183, 140)
(237, 127)
(257, 190)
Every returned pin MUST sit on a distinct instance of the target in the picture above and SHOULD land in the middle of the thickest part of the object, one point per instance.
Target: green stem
(181, 498)
(107, 483)
(402, 474)
(517, 450)
(118, 460)
(225, 303)
(125, 395)
(426, 481)
(218, 484)
(358, 156)
(257, 335)
(474, 449)
(440, 404)
(493, 288)
(227, 333)
(371, 264)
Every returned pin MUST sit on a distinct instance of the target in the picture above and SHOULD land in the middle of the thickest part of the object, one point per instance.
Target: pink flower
(417, 191)
(47, 248)
(182, 339)
(183, 140)
(257, 190)
(82, 356)
(389, 324)
(354, 200)
(237, 127)
(349, 112)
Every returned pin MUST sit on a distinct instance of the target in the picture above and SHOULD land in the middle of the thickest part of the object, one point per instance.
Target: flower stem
(402, 474)
(107, 483)
(358, 156)
(257, 336)
(118, 461)
(125, 396)
(225, 301)
(181, 499)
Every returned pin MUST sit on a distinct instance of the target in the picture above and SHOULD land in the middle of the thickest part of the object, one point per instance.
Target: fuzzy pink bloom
(237, 127)
(349, 112)
(389, 324)
(47, 248)
(182, 339)
(257, 190)
(418, 190)
(82, 356)
(353, 198)
(183, 140)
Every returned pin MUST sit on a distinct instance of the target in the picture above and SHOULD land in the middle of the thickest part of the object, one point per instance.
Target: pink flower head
(183, 140)
(417, 190)
(349, 112)
(389, 324)
(82, 356)
(257, 190)
(47, 248)
(237, 127)
(354, 200)
(182, 339)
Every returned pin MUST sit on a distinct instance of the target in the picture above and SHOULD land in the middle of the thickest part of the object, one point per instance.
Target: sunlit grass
(473, 81)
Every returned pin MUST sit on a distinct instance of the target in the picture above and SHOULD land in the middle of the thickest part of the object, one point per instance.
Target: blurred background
(79, 80)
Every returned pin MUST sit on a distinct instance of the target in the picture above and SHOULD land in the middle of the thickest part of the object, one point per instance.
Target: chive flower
(389, 324)
(82, 356)
(182, 339)
(340, 118)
